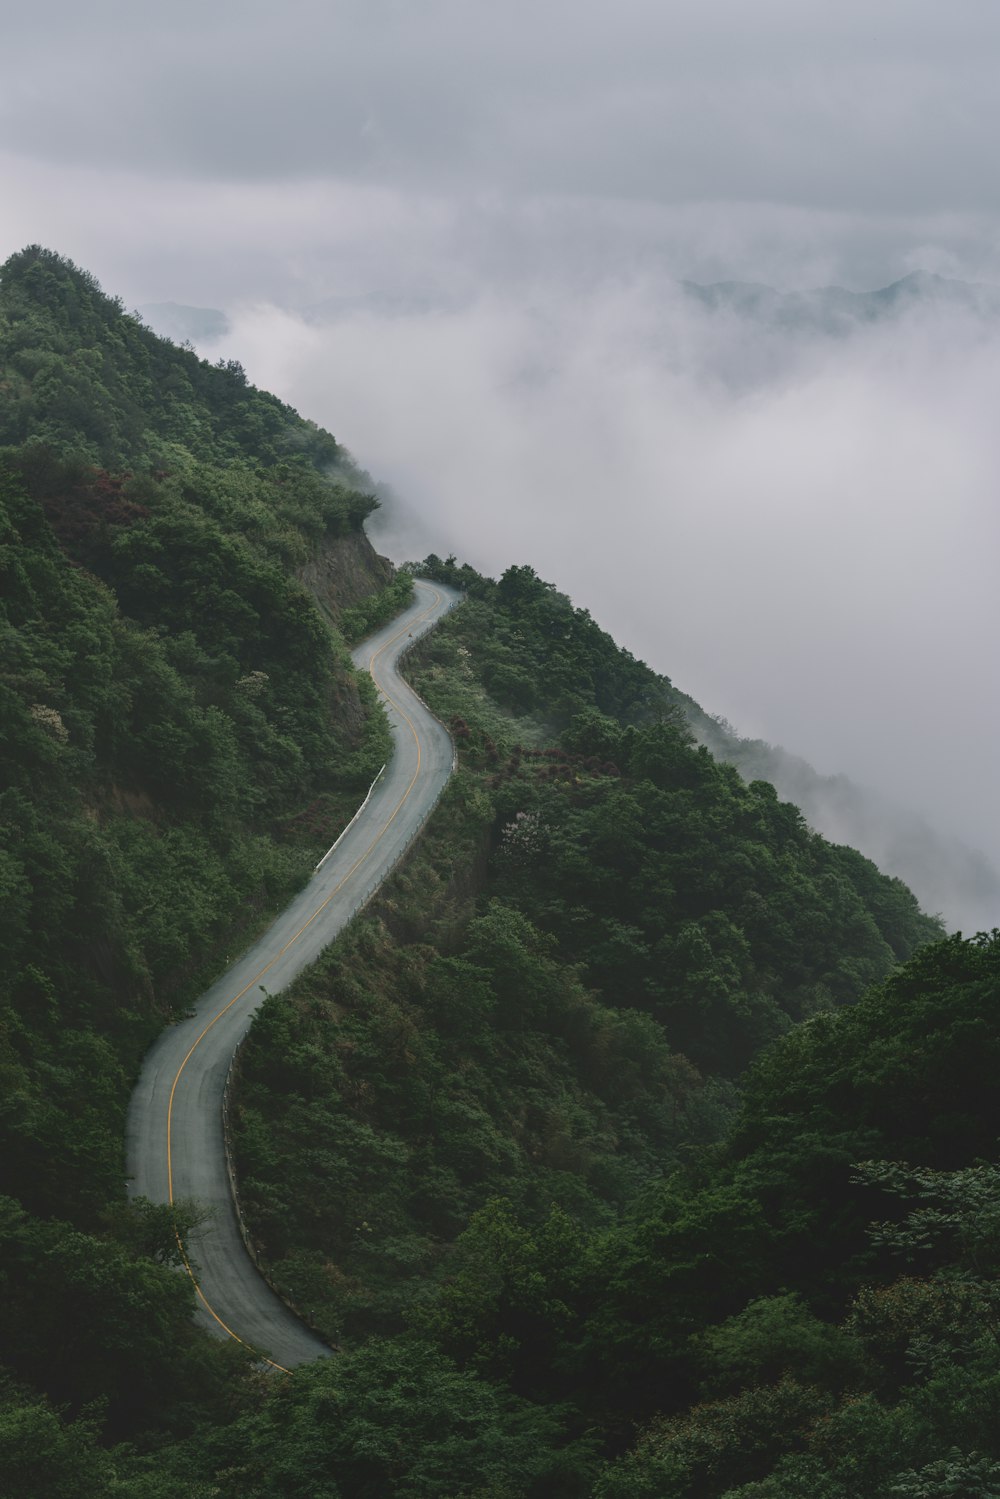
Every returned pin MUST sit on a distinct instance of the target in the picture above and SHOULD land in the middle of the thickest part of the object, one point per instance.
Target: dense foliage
(179, 733)
(574, 1144)
(365, 617)
(79, 373)
(481, 1124)
(416, 1081)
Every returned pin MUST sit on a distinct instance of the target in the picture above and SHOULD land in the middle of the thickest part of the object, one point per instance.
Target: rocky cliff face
(344, 571)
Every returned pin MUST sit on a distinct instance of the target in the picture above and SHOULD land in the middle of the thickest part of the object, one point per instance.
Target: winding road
(174, 1142)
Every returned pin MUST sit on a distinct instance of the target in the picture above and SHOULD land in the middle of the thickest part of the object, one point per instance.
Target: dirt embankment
(345, 570)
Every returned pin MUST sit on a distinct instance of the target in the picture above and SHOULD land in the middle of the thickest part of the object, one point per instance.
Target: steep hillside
(527, 1048)
(560, 1141)
(181, 734)
(947, 876)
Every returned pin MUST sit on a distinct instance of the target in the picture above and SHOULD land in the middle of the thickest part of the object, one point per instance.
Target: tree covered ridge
(658, 867)
(487, 1130)
(181, 733)
(78, 370)
(162, 665)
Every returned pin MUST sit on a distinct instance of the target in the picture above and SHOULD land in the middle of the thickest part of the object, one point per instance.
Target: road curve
(174, 1144)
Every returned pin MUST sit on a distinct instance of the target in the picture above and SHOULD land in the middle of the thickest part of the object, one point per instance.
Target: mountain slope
(948, 877)
(182, 735)
(617, 926)
(495, 1139)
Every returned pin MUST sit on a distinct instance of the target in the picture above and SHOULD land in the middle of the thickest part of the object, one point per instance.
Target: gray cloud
(807, 547)
(789, 142)
(778, 103)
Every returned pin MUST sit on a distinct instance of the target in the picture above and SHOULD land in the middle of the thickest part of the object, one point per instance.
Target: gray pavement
(174, 1143)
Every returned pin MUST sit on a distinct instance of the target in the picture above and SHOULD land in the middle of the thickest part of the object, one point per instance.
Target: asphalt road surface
(174, 1143)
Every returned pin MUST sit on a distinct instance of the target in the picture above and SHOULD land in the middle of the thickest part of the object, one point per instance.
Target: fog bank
(798, 528)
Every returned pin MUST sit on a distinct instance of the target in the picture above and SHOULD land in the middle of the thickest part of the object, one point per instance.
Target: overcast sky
(490, 206)
(235, 147)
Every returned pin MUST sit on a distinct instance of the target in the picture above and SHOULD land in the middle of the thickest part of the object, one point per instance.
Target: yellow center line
(291, 941)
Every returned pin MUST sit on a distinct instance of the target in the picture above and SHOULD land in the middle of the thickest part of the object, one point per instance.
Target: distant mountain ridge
(183, 324)
(835, 310)
(825, 309)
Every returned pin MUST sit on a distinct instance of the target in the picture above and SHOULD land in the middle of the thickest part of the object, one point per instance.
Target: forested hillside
(180, 734)
(572, 1144)
(479, 1139)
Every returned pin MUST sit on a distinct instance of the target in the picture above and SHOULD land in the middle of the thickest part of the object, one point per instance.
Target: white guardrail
(344, 832)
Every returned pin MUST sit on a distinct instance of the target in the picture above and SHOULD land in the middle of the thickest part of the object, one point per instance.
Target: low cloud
(800, 530)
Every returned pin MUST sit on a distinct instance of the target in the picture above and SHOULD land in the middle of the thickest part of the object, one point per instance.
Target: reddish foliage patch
(81, 511)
